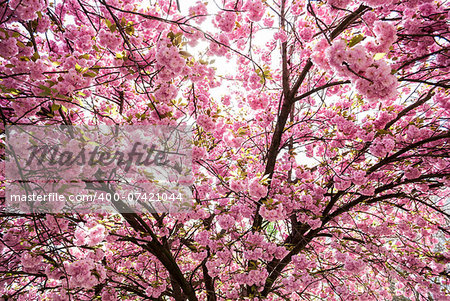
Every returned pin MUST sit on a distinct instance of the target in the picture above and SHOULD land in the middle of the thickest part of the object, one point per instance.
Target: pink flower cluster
(8, 48)
(214, 267)
(353, 266)
(232, 141)
(72, 80)
(273, 214)
(198, 153)
(280, 35)
(259, 101)
(268, 22)
(443, 101)
(383, 118)
(43, 24)
(81, 273)
(255, 9)
(383, 85)
(156, 290)
(345, 126)
(254, 81)
(254, 277)
(166, 92)
(339, 56)
(377, 3)
(359, 177)
(386, 36)
(26, 9)
(291, 284)
(37, 70)
(108, 39)
(217, 49)
(108, 295)
(91, 237)
(338, 3)
(306, 33)
(256, 189)
(30, 263)
(412, 173)
(341, 184)
(199, 9)
(382, 146)
(206, 123)
(226, 20)
(319, 56)
(81, 36)
(226, 221)
(373, 79)
(169, 60)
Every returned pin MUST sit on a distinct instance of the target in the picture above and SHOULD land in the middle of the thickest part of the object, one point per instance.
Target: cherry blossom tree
(321, 147)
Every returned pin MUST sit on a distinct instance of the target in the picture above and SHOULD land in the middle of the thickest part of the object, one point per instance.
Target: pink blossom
(412, 173)
(256, 189)
(226, 20)
(96, 234)
(198, 153)
(268, 22)
(108, 39)
(199, 9)
(341, 184)
(386, 36)
(206, 122)
(226, 221)
(109, 295)
(80, 273)
(255, 9)
(280, 35)
(8, 48)
(274, 214)
(237, 186)
(338, 3)
(29, 262)
(359, 177)
(377, 3)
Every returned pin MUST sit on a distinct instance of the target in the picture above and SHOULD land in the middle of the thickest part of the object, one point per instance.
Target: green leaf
(129, 29)
(45, 89)
(84, 56)
(355, 40)
(185, 54)
(108, 23)
(123, 21)
(90, 74)
(121, 55)
(20, 44)
(78, 67)
(35, 57)
(55, 107)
